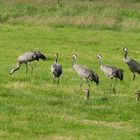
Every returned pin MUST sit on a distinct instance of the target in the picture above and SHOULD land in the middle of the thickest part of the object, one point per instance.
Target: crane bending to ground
(26, 58)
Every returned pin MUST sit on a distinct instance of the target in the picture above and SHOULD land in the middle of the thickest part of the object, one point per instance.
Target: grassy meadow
(31, 106)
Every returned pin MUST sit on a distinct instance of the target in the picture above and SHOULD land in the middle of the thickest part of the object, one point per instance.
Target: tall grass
(114, 14)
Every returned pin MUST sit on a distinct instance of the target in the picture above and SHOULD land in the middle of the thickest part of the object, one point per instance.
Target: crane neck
(74, 61)
(56, 59)
(100, 62)
(125, 55)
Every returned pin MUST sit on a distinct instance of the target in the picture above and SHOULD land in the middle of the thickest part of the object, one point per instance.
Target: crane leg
(81, 84)
(88, 94)
(57, 82)
(53, 80)
(138, 97)
(88, 84)
(114, 84)
(31, 67)
(26, 68)
(110, 84)
(134, 76)
(15, 69)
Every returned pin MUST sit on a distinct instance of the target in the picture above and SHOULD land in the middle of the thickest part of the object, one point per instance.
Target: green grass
(32, 107)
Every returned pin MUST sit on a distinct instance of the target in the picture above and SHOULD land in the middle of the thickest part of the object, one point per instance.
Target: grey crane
(134, 66)
(110, 71)
(26, 58)
(85, 73)
(56, 69)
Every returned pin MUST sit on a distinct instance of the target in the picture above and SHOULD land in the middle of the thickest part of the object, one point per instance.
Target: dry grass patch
(18, 85)
(117, 125)
(3, 133)
(56, 137)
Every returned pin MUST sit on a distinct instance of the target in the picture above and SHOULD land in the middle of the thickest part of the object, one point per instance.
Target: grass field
(32, 107)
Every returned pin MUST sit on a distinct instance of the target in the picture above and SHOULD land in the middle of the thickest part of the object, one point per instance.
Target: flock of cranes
(86, 74)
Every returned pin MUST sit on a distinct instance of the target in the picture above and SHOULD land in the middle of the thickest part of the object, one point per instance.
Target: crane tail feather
(118, 74)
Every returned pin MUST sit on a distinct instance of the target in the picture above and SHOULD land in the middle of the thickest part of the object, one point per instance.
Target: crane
(85, 73)
(26, 58)
(56, 69)
(110, 71)
(133, 65)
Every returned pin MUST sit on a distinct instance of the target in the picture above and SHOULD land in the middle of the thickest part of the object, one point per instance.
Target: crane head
(125, 49)
(38, 55)
(56, 55)
(99, 56)
(74, 56)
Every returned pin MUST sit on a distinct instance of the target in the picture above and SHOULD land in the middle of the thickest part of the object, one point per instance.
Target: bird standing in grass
(134, 66)
(56, 69)
(26, 58)
(85, 73)
(110, 72)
